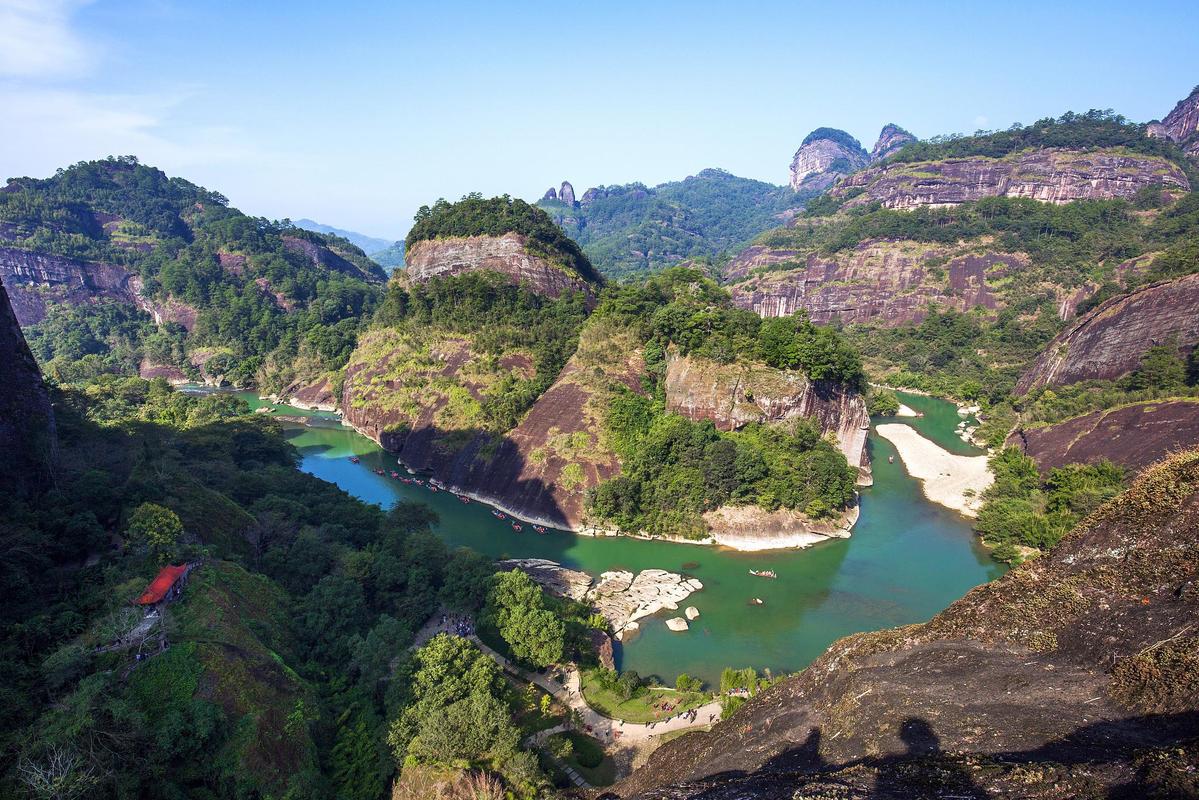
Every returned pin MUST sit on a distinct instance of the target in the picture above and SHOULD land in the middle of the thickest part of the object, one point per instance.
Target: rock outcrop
(1182, 124)
(825, 156)
(324, 257)
(1049, 175)
(550, 196)
(879, 282)
(36, 280)
(397, 391)
(1110, 340)
(1073, 675)
(891, 139)
(620, 597)
(1132, 436)
(28, 440)
(508, 254)
(734, 395)
(566, 193)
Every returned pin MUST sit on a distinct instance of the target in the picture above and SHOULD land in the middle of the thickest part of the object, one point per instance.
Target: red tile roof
(161, 584)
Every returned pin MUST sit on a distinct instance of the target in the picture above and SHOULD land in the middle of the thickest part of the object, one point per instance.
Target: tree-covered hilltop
(675, 469)
(272, 301)
(633, 230)
(835, 135)
(474, 215)
(1091, 130)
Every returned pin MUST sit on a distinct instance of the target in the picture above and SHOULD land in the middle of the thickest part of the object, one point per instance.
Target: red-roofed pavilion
(162, 584)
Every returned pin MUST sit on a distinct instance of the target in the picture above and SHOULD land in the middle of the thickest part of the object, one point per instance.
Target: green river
(906, 560)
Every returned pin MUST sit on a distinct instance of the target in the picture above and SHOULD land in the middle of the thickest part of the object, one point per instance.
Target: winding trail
(608, 731)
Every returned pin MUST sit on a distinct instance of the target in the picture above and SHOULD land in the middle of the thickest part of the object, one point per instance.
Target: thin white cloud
(37, 40)
(48, 128)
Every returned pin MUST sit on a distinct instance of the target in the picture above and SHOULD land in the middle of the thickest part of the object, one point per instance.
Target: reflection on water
(907, 559)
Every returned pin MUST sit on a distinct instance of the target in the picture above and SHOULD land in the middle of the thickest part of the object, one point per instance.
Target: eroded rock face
(1050, 175)
(820, 162)
(28, 440)
(550, 196)
(36, 279)
(734, 395)
(566, 193)
(1052, 681)
(1181, 124)
(1110, 340)
(1131, 436)
(321, 256)
(879, 282)
(505, 254)
(891, 139)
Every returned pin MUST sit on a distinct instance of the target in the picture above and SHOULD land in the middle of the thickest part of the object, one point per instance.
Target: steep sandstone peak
(824, 156)
(550, 196)
(566, 194)
(890, 140)
(1182, 124)
(27, 431)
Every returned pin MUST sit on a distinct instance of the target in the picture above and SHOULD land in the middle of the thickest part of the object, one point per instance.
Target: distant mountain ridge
(368, 244)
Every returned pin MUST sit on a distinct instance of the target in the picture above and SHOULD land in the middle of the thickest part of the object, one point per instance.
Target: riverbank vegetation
(1024, 510)
(626, 696)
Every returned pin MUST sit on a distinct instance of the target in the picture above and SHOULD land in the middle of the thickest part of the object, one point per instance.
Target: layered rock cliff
(879, 282)
(1110, 340)
(1181, 124)
(508, 254)
(1074, 675)
(37, 279)
(734, 395)
(28, 441)
(825, 155)
(1132, 436)
(1049, 175)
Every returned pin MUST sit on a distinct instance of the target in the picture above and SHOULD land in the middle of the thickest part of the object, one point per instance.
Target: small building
(166, 586)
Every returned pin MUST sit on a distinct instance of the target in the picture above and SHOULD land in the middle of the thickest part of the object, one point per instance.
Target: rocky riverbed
(620, 596)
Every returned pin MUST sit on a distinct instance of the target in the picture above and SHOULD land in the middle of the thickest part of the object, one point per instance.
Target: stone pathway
(540, 738)
(608, 731)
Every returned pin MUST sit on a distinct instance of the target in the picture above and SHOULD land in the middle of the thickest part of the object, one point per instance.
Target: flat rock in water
(691, 612)
(677, 624)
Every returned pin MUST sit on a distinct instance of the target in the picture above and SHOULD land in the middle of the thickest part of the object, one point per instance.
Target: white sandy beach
(946, 477)
(906, 411)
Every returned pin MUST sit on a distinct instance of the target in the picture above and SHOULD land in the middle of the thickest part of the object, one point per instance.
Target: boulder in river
(691, 612)
(677, 624)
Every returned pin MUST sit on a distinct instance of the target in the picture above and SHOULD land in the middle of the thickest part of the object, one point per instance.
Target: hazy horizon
(357, 117)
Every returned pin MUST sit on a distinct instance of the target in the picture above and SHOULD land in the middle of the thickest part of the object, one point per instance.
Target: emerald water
(907, 558)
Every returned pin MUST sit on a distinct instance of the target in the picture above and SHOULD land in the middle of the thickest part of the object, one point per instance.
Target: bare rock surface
(677, 624)
(1110, 340)
(821, 161)
(620, 596)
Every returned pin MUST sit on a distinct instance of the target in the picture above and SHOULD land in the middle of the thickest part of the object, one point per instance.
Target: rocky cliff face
(36, 279)
(566, 193)
(879, 282)
(1051, 175)
(409, 396)
(321, 256)
(1182, 124)
(1110, 340)
(507, 254)
(734, 395)
(1132, 436)
(1074, 675)
(891, 139)
(28, 441)
(824, 158)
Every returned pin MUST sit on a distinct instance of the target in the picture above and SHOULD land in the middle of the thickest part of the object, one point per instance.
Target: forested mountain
(634, 229)
(97, 253)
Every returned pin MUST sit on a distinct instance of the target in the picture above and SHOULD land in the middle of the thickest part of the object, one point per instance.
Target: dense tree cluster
(475, 216)
(633, 230)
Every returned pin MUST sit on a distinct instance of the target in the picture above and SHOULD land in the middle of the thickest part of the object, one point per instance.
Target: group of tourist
(457, 625)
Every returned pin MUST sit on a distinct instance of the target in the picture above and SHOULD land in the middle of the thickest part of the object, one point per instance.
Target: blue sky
(355, 114)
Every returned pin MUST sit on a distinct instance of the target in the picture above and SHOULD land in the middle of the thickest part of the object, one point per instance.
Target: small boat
(890, 459)
(432, 488)
(517, 526)
(763, 573)
(502, 515)
(418, 481)
(495, 513)
(395, 474)
(539, 528)
(379, 472)
(464, 498)
(757, 601)
(354, 459)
